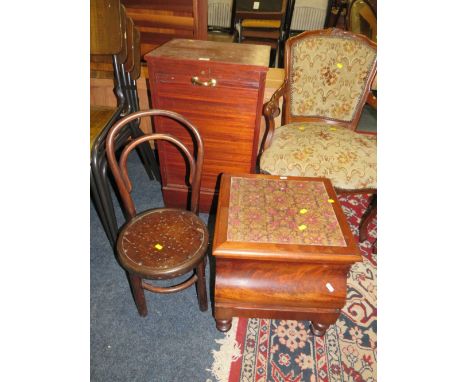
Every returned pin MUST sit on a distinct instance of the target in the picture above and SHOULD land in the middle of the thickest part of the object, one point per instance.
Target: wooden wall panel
(160, 21)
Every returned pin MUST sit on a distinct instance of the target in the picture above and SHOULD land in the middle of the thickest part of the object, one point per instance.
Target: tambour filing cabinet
(219, 87)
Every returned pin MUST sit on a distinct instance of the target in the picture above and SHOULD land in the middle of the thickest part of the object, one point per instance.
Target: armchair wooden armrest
(372, 100)
(271, 110)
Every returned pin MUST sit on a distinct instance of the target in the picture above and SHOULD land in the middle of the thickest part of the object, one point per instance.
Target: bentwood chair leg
(138, 294)
(201, 287)
(370, 213)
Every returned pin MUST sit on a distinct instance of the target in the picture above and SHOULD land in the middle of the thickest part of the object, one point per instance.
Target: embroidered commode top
(283, 212)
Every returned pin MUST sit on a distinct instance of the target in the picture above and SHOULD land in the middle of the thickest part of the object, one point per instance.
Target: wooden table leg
(223, 325)
(321, 322)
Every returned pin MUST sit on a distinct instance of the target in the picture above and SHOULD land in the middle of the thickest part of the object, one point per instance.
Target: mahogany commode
(282, 250)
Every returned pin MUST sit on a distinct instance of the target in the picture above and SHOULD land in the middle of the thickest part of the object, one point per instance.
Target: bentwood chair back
(160, 243)
(131, 72)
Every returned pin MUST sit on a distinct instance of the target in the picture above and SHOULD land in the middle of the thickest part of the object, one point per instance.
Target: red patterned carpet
(264, 350)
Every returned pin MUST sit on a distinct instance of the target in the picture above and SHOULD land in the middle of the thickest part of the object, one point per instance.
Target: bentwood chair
(328, 76)
(160, 243)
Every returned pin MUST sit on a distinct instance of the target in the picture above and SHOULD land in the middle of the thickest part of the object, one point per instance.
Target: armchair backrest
(328, 75)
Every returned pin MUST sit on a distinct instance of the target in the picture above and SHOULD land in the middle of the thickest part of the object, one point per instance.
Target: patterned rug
(263, 350)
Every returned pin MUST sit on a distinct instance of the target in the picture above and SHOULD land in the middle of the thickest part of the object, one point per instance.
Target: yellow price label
(339, 65)
(302, 227)
(303, 211)
(331, 201)
(158, 246)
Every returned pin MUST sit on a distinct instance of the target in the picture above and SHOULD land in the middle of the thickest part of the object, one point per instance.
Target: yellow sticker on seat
(158, 246)
(303, 211)
(339, 65)
(331, 201)
(302, 227)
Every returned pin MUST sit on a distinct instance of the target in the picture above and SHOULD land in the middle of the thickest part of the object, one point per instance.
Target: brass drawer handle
(210, 82)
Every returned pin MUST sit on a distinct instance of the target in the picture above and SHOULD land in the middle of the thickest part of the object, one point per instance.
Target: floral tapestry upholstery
(283, 212)
(328, 75)
(347, 158)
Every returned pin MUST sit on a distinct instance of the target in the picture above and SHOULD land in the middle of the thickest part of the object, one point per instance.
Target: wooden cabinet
(219, 87)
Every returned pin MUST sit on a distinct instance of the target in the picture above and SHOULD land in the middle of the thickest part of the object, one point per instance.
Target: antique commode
(283, 250)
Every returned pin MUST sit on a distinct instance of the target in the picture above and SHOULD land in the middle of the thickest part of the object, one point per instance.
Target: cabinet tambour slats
(227, 115)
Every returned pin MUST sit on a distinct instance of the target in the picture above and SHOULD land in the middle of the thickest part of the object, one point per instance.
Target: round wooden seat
(162, 243)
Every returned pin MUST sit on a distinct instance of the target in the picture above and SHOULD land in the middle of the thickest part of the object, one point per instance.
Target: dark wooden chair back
(130, 40)
(267, 10)
(102, 63)
(261, 23)
(119, 170)
(314, 44)
(135, 73)
(122, 54)
(361, 18)
(106, 36)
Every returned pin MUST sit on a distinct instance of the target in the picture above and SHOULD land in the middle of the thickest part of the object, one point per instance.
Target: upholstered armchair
(328, 77)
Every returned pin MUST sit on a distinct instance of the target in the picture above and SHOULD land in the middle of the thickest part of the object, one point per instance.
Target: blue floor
(172, 343)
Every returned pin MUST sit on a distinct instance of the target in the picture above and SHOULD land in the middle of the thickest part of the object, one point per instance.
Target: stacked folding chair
(114, 42)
